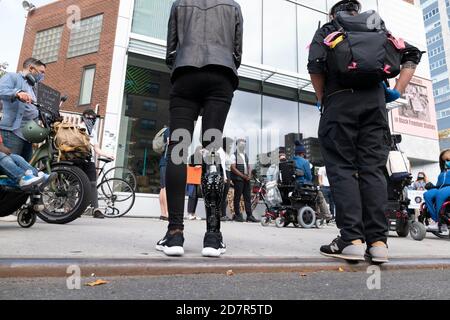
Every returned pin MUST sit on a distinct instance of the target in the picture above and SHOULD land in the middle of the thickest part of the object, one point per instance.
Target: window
(87, 84)
(47, 43)
(437, 64)
(436, 51)
(148, 124)
(252, 15)
(280, 35)
(431, 14)
(150, 105)
(150, 18)
(85, 38)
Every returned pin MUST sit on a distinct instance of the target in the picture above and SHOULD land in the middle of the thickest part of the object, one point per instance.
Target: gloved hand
(391, 94)
(319, 106)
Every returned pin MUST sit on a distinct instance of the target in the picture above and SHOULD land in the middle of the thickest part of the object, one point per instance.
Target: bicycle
(116, 172)
(115, 195)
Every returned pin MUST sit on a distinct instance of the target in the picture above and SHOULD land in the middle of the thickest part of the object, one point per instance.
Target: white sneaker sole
(171, 251)
(344, 257)
(211, 252)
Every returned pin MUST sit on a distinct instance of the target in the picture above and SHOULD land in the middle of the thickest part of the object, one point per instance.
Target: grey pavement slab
(136, 237)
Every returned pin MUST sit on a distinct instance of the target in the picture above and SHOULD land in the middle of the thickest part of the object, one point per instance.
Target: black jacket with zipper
(204, 32)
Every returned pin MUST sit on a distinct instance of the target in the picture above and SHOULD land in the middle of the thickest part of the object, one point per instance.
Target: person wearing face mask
(421, 182)
(88, 120)
(17, 91)
(436, 196)
(241, 175)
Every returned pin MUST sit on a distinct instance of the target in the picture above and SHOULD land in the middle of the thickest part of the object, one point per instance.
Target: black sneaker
(98, 214)
(225, 218)
(338, 248)
(171, 244)
(238, 218)
(213, 245)
(251, 218)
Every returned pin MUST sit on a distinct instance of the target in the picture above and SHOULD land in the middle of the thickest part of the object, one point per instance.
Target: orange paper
(194, 175)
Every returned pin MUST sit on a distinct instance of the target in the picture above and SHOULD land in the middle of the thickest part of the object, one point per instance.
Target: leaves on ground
(341, 269)
(230, 273)
(96, 283)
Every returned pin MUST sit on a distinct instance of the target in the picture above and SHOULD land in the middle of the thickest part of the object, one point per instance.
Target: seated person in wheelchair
(303, 172)
(437, 195)
(18, 170)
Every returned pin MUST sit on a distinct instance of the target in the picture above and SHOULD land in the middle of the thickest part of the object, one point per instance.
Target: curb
(23, 268)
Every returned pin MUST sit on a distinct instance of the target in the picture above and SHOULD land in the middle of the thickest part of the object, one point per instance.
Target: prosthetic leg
(212, 190)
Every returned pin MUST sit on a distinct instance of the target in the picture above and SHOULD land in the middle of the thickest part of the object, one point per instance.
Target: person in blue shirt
(435, 198)
(302, 164)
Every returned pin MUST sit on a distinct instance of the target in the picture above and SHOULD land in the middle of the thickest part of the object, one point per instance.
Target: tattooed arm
(408, 70)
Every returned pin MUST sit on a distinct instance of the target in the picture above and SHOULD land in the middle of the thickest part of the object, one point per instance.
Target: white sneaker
(10, 218)
(433, 226)
(30, 180)
(193, 217)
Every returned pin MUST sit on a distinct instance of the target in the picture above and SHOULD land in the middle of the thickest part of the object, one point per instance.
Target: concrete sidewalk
(121, 241)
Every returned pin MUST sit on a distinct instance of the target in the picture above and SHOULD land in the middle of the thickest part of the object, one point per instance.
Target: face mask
(420, 178)
(447, 164)
(90, 123)
(39, 77)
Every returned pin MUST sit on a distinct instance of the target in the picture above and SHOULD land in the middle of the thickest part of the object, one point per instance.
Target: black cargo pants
(354, 137)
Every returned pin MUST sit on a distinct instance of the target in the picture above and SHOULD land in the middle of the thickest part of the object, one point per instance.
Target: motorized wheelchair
(299, 202)
(400, 218)
(420, 229)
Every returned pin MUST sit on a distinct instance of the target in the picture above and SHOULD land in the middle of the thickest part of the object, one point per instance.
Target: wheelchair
(299, 201)
(400, 218)
(419, 230)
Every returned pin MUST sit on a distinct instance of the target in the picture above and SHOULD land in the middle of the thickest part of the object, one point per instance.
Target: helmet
(346, 5)
(34, 133)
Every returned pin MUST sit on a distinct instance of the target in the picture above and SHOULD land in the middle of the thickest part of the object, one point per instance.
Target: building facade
(274, 103)
(436, 15)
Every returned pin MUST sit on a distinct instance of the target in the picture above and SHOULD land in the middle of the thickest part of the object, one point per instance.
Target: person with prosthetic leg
(204, 51)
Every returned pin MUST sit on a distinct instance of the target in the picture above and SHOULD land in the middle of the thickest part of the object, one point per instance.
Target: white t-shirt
(323, 174)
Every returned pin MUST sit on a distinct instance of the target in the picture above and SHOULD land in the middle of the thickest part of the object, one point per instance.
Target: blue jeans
(17, 145)
(329, 198)
(14, 166)
(434, 199)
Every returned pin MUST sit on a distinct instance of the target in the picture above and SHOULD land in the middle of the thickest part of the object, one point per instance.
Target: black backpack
(362, 52)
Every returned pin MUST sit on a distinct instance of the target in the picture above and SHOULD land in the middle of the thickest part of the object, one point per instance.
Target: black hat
(346, 5)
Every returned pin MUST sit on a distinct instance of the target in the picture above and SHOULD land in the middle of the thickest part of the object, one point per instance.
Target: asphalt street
(396, 285)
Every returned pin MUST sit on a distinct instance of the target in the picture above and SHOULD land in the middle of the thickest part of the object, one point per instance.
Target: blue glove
(391, 94)
(319, 105)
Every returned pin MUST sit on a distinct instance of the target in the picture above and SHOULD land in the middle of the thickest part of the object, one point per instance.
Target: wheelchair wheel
(265, 221)
(279, 222)
(417, 231)
(306, 217)
(402, 228)
(26, 218)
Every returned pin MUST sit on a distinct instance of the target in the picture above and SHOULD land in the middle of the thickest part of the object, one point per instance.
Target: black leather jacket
(204, 32)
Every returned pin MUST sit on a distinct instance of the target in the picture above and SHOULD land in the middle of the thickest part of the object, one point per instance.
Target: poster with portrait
(418, 116)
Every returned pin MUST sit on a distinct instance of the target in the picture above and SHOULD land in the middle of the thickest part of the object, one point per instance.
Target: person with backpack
(350, 60)
(204, 51)
(88, 120)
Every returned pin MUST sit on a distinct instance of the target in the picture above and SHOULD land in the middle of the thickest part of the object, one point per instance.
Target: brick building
(78, 57)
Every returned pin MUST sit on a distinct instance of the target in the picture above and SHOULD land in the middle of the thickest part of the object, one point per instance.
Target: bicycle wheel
(121, 173)
(116, 197)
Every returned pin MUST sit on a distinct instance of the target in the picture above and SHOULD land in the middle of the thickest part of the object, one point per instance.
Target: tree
(3, 67)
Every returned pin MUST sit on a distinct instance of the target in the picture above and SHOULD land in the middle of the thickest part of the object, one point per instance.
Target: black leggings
(208, 91)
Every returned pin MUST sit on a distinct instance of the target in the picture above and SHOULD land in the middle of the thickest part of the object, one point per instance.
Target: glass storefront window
(308, 22)
(244, 121)
(145, 112)
(280, 35)
(150, 18)
(252, 15)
